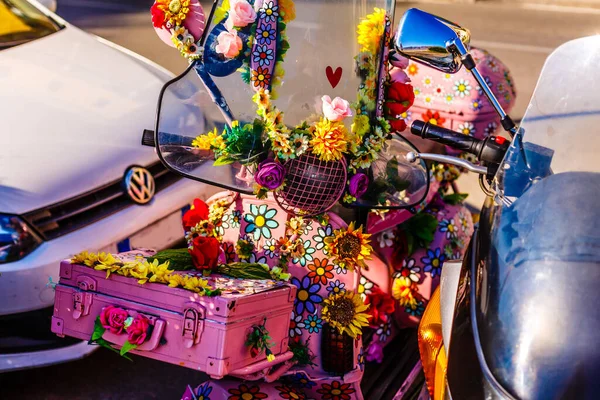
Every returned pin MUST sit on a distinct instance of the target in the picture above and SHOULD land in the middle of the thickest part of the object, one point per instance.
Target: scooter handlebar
(446, 136)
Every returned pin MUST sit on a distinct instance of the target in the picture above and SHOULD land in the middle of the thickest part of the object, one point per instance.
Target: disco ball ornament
(312, 186)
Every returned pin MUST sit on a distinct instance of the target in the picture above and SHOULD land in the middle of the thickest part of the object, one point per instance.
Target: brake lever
(412, 157)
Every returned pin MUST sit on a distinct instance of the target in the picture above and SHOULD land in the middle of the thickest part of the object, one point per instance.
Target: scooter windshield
(293, 81)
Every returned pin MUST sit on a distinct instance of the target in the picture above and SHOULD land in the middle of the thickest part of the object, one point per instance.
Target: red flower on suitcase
(243, 392)
(382, 306)
(336, 391)
(113, 319)
(138, 329)
(198, 213)
(205, 252)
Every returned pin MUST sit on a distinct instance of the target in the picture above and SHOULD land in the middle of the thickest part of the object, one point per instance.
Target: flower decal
(409, 270)
(464, 222)
(413, 69)
(319, 238)
(271, 11)
(447, 226)
(245, 392)
(229, 250)
(439, 91)
(433, 262)
(336, 287)
(361, 359)
(427, 81)
(270, 248)
(384, 331)
(203, 391)
(302, 380)
(296, 325)
(313, 323)
(253, 259)
(491, 128)
(303, 253)
(262, 55)
(467, 129)
(261, 78)
(320, 271)
(433, 118)
(265, 34)
(336, 391)
(448, 98)
(476, 105)
(235, 218)
(415, 310)
(386, 239)
(288, 392)
(307, 296)
(260, 221)
(488, 81)
(365, 287)
(462, 87)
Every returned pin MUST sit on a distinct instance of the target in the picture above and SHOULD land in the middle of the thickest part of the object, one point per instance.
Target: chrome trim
(412, 157)
(448, 289)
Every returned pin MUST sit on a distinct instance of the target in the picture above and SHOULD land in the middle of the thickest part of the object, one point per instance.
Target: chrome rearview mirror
(443, 45)
(432, 40)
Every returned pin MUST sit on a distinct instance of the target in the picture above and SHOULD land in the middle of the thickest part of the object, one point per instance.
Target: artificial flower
(241, 14)
(345, 312)
(160, 272)
(358, 185)
(194, 284)
(375, 352)
(141, 270)
(329, 140)
(204, 251)
(229, 44)
(360, 125)
(270, 174)
(296, 226)
(287, 10)
(261, 99)
(198, 212)
(403, 290)
(299, 144)
(138, 330)
(398, 60)
(399, 97)
(113, 319)
(370, 30)
(349, 248)
(398, 75)
(174, 12)
(336, 109)
(158, 16)
(381, 304)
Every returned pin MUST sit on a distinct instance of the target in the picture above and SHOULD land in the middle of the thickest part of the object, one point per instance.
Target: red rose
(198, 213)
(205, 252)
(113, 319)
(158, 16)
(398, 125)
(400, 96)
(382, 305)
(138, 329)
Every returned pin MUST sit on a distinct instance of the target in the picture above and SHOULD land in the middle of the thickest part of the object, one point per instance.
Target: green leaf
(223, 160)
(398, 183)
(391, 168)
(423, 227)
(98, 330)
(179, 259)
(455, 198)
(127, 347)
(410, 244)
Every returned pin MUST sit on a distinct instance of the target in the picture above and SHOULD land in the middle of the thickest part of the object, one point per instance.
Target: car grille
(69, 215)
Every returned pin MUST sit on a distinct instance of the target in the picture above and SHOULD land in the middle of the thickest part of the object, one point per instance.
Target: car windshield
(559, 131)
(22, 23)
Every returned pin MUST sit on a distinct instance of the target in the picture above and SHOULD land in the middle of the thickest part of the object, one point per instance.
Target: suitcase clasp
(193, 324)
(86, 283)
(81, 304)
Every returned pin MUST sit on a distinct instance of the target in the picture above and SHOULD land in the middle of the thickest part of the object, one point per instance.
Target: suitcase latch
(81, 304)
(86, 283)
(193, 325)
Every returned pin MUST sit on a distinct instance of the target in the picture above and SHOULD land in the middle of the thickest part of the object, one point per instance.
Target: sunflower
(299, 144)
(329, 140)
(349, 248)
(345, 312)
(403, 290)
(261, 99)
(175, 10)
(370, 31)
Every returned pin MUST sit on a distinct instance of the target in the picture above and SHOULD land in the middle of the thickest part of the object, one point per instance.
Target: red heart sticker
(333, 77)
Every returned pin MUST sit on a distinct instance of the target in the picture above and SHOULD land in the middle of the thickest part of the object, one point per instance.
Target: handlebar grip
(446, 136)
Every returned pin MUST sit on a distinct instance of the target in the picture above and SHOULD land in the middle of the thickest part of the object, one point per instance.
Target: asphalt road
(520, 36)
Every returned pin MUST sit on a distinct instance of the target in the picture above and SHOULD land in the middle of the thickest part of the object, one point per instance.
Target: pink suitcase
(199, 332)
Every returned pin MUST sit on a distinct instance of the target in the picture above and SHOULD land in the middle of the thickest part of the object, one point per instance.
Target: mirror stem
(457, 46)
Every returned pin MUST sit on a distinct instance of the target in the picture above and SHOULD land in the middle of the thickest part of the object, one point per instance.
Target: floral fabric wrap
(456, 101)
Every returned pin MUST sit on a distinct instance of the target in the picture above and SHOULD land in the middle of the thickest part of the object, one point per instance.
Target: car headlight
(431, 347)
(16, 239)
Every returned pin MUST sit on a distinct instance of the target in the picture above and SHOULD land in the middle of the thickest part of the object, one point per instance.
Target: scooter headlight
(16, 239)
(431, 347)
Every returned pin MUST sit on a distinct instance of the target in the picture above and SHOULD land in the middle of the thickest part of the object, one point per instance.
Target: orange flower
(261, 77)
(433, 118)
(320, 271)
(243, 392)
(336, 391)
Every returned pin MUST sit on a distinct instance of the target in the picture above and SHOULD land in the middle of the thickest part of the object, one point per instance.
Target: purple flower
(270, 174)
(358, 185)
(375, 352)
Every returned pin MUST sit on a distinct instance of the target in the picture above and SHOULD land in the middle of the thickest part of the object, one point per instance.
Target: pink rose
(241, 13)
(336, 109)
(229, 44)
(398, 61)
(138, 329)
(398, 75)
(113, 319)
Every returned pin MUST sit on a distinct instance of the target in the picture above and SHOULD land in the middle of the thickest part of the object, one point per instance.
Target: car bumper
(44, 358)
(25, 285)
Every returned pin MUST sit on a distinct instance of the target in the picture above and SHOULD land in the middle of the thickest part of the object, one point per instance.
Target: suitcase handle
(148, 345)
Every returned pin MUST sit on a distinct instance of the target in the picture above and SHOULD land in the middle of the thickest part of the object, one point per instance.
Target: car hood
(73, 110)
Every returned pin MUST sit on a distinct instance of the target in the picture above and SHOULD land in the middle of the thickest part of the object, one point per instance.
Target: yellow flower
(261, 99)
(175, 10)
(329, 140)
(108, 268)
(287, 10)
(210, 140)
(160, 272)
(349, 248)
(283, 245)
(364, 159)
(345, 312)
(370, 30)
(403, 290)
(176, 280)
(141, 270)
(195, 284)
(298, 249)
(296, 225)
(270, 357)
(360, 125)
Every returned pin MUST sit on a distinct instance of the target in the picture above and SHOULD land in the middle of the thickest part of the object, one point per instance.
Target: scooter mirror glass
(302, 82)
(426, 38)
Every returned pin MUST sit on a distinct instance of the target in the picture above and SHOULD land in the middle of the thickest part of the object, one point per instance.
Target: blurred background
(521, 33)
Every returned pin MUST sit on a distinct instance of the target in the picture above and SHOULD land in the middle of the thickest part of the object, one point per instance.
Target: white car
(73, 108)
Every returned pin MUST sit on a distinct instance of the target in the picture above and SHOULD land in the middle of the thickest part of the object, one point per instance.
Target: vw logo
(139, 184)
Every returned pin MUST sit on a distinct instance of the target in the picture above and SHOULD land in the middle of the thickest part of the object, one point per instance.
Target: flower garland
(259, 341)
(171, 15)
